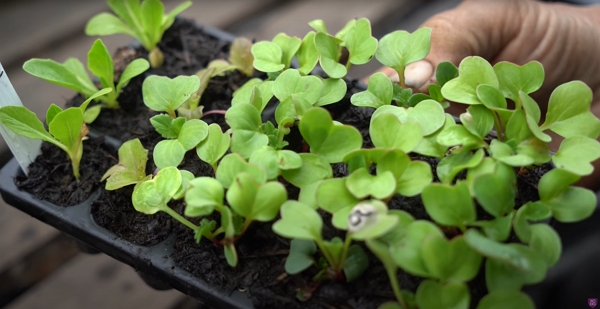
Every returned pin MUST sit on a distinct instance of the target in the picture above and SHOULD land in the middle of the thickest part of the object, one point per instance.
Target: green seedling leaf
(400, 48)
(166, 126)
(516, 127)
(429, 145)
(449, 205)
(586, 124)
(299, 221)
(100, 63)
(276, 135)
(497, 229)
(26, 123)
(334, 197)
(453, 164)
(535, 149)
(267, 57)
(168, 153)
(131, 168)
(568, 100)
(301, 256)
(290, 84)
(362, 184)
(290, 110)
(532, 113)
(450, 260)
(428, 113)
(360, 43)
(406, 251)
(202, 196)
(433, 295)
(233, 164)
(494, 100)
(216, 144)
(435, 92)
(575, 204)
(513, 78)
(501, 275)
(456, 135)
(546, 242)
(532, 211)
(247, 95)
(163, 94)
(52, 111)
(334, 91)
(325, 138)
(329, 55)
(272, 161)
(135, 68)
(445, 72)
(555, 183)
(515, 256)
(334, 249)
(255, 201)
(192, 133)
(478, 120)
(356, 263)
(90, 114)
(496, 191)
(231, 255)
(370, 220)
(308, 194)
(341, 35)
(318, 25)
(379, 92)
(313, 169)
(506, 300)
(307, 55)
(246, 123)
(363, 158)
(401, 96)
(146, 21)
(152, 196)
(486, 166)
(388, 132)
(410, 176)
(289, 46)
(240, 55)
(71, 74)
(575, 154)
(69, 129)
(473, 71)
(186, 177)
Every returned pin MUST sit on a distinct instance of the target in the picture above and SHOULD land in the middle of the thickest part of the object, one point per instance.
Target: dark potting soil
(50, 176)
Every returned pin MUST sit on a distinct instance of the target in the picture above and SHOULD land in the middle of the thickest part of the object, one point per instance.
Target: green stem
(246, 224)
(391, 272)
(498, 127)
(401, 77)
(180, 218)
(75, 165)
(347, 243)
(324, 251)
(172, 114)
(348, 65)
(217, 232)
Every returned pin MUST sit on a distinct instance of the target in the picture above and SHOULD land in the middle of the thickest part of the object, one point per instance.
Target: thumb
(480, 28)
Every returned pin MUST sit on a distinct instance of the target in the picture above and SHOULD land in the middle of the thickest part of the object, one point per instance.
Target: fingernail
(418, 73)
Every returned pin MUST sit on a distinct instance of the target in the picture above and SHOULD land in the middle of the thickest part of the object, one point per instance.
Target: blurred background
(42, 268)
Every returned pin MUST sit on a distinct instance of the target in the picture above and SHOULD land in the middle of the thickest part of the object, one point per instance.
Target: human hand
(564, 38)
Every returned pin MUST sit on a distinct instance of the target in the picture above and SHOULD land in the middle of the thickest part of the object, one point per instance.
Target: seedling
(145, 21)
(131, 168)
(72, 75)
(163, 94)
(180, 135)
(66, 128)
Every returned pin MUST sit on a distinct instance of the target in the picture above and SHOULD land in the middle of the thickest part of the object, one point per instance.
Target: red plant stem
(216, 111)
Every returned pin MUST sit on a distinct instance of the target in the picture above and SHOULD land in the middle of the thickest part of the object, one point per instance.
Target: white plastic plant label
(24, 149)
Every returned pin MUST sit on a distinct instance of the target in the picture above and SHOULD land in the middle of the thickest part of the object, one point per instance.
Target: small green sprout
(146, 22)
(214, 146)
(180, 135)
(72, 75)
(303, 224)
(163, 94)
(131, 168)
(277, 55)
(66, 128)
(400, 48)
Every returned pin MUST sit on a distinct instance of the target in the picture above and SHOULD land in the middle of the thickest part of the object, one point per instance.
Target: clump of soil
(50, 176)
